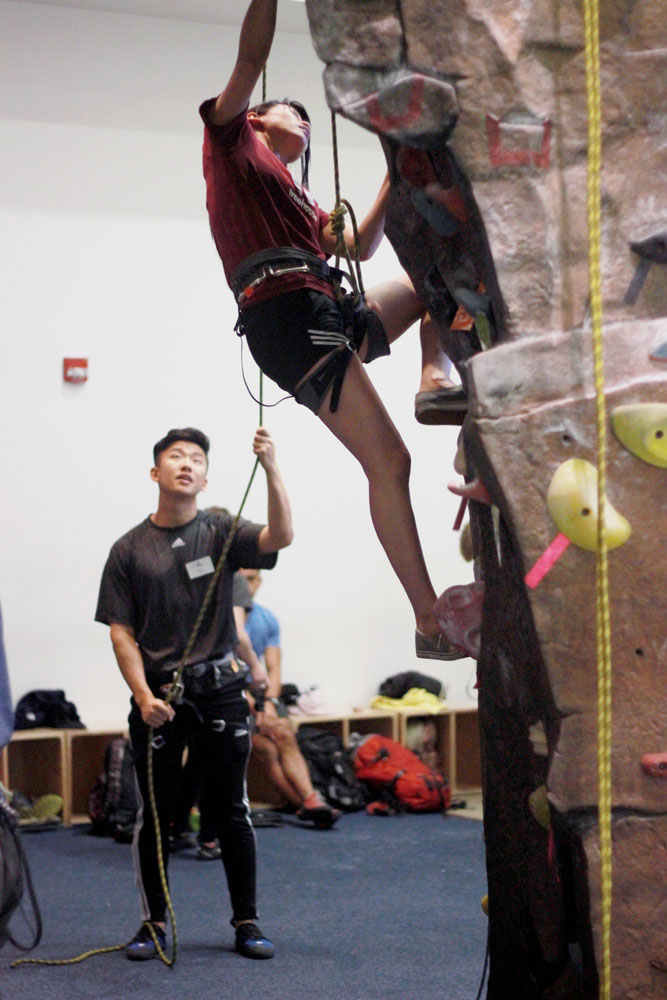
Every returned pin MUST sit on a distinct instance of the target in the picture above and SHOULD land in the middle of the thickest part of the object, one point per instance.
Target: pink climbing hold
(459, 614)
(547, 560)
(655, 764)
(458, 520)
(474, 490)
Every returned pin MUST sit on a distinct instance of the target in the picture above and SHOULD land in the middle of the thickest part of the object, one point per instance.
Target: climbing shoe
(208, 852)
(251, 943)
(142, 947)
(447, 405)
(436, 647)
(183, 840)
(316, 809)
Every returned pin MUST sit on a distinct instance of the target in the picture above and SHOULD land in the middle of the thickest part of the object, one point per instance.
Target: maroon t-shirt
(255, 204)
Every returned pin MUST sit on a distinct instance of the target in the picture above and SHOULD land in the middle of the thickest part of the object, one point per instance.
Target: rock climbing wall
(481, 109)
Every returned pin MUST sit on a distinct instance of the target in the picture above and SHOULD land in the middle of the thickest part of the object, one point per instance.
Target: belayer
(151, 594)
(273, 240)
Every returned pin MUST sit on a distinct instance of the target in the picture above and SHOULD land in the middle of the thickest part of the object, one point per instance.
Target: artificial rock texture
(481, 109)
(534, 410)
(503, 86)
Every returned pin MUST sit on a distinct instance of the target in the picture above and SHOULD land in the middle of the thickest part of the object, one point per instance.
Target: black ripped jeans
(225, 757)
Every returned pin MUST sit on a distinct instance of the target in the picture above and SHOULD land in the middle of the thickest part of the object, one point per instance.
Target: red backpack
(399, 778)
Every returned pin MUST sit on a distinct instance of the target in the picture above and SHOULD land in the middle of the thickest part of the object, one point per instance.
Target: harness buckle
(276, 272)
(269, 271)
(176, 689)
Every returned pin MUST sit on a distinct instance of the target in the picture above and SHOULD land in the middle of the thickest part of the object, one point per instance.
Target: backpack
(403, 781)
(399, 684)
(112, 804)
(330, 769)
(46, 708)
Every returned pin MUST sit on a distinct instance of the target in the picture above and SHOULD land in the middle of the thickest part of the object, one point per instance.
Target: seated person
(273, 739)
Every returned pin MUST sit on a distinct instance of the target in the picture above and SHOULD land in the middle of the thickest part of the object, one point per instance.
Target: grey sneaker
(436, 647)
(208, 853)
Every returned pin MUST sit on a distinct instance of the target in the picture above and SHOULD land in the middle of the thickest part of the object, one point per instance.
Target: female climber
(273, 240)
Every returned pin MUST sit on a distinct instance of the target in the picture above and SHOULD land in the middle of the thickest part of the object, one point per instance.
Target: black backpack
(330, 769)
(46, 708)
(112, 804)
(399, 684)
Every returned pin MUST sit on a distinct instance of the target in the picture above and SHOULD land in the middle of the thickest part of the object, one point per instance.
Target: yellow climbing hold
(538, 804)
(573, 505)
(642, 428)
(538, 738)
(485, 904)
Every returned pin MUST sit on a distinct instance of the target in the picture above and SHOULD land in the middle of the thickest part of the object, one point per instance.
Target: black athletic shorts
(278, 337)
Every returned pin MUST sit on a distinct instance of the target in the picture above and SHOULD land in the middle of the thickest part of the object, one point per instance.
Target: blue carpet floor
(375, 909)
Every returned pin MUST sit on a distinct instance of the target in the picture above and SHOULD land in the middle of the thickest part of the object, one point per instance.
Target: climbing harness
(359, 320)
(276, 263)
(603, 629)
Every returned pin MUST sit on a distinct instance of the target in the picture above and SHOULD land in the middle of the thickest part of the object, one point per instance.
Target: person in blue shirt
(273, 739)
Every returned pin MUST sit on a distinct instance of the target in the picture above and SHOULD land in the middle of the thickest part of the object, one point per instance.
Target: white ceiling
(291, 13)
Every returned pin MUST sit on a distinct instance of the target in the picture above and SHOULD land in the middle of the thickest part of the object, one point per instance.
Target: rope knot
(338, 220)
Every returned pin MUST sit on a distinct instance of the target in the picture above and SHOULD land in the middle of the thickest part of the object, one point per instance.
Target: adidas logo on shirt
(178, 543)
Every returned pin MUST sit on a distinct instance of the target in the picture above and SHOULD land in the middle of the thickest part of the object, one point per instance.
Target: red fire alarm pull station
(75, 369)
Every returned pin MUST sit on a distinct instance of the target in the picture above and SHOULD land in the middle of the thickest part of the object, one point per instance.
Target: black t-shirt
(155, 580)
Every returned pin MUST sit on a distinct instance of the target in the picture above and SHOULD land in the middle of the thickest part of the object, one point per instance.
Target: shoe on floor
(251, 943)
(46, 807)
(436, 647)
(183, 841)
(142, 947)
(447, 405)
(206, 852)
(315, 809)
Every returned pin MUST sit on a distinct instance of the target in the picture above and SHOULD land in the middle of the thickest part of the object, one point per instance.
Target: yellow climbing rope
(603, 630)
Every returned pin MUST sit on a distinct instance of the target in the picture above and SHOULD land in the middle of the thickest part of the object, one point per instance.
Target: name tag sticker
(199, 567)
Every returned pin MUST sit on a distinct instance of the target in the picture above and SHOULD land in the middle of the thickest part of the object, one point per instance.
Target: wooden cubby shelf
(63, 762)
(364, 721)
(35, 762)
(457, 744)
(67, 761)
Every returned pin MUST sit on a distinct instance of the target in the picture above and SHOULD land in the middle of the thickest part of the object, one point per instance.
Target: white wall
(106, 254)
